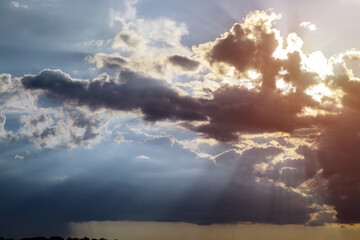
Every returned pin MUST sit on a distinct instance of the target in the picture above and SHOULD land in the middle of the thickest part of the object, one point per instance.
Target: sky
(164, 119)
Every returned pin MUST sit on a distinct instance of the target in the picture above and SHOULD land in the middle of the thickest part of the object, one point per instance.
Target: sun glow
(249, 79)
(252, 74)
(285, 87)
(293, 44)
(316, 62)
(319, 91)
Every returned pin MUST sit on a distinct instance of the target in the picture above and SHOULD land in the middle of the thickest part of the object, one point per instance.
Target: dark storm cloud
(232, 109)
(338, 153)
(185, 63)
(155, 99)
(338, 156)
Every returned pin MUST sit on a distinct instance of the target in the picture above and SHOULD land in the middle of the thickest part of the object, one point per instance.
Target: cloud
(338, 157)
(248, 45)
(259, 85)
(129, 41)
(65, 127)
(2, 125)
(308, 25)
(148, 46)
(142, 157)
(17, 5)
(231, 110)
(184, 62)
(110, 61)
(5, 82)
(13, 97)
(155, 99)
(325, 215)
(123, 17)
(19, 157)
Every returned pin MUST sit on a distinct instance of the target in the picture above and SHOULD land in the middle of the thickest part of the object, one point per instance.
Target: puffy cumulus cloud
(14, 100)
(249, 45)
(5, 82)
(129, 41)
(42, 121)
(162, 35)
(13, 97)
(149, 46)
(63, 127)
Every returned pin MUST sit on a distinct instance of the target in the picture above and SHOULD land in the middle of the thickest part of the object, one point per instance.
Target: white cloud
(123, 16)
(18, 157)
(5, 82)
(144, 45)
(2, 124)
(310, 26)
(17, 5)
(142, 157)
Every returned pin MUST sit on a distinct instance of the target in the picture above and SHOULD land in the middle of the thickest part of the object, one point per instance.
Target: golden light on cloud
(294, 43)
(285, 87)
(319, 91)
(252, 74)
(316, 62)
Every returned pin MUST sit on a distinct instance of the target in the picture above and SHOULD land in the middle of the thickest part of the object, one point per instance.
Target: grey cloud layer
(232, 110)
(154, 98)
(184, 62)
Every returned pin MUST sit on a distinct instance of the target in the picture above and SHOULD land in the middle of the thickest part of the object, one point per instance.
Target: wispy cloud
(17, 5)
